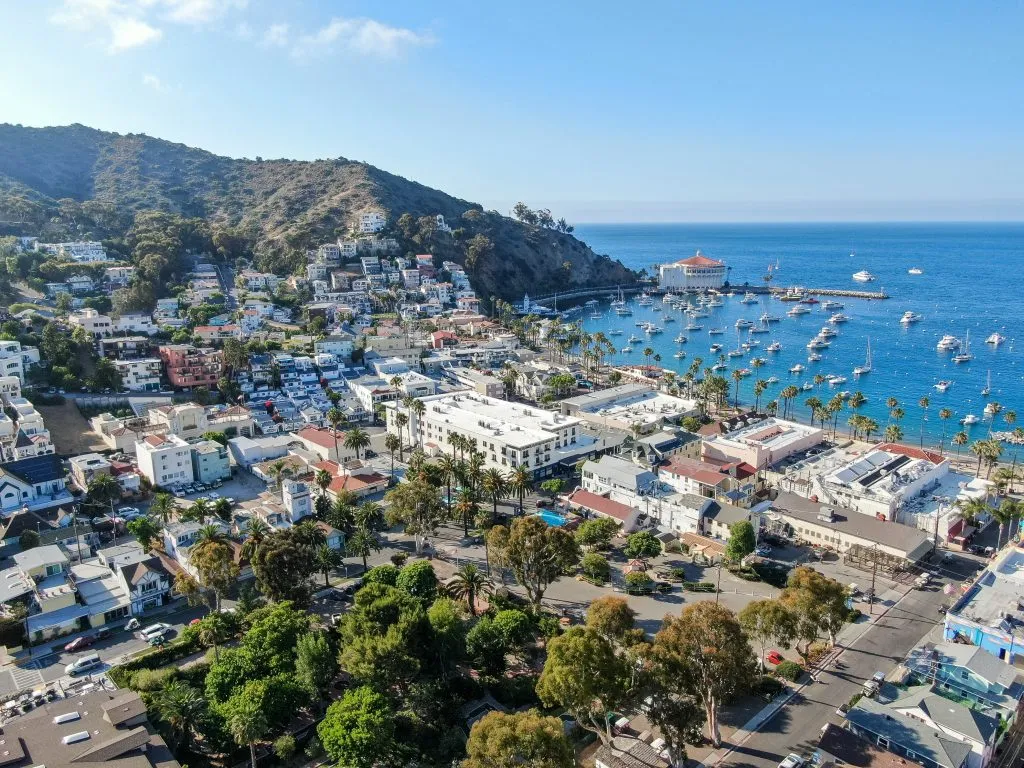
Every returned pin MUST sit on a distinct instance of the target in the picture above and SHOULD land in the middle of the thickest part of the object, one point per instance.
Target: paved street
(877, 646)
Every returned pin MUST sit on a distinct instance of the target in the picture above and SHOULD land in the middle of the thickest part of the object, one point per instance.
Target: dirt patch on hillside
(69, 431)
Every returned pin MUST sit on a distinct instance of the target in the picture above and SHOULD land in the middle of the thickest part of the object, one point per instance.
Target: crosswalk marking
(26, 677)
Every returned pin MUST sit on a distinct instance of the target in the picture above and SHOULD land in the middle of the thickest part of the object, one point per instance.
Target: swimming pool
(553, 519)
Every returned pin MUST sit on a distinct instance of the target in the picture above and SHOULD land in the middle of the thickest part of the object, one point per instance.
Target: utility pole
(718, 584)
(874, 573)
(935, 541)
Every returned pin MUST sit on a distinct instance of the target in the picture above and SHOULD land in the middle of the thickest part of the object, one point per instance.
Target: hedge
(789, 670)
(698, 586)
(187, 645)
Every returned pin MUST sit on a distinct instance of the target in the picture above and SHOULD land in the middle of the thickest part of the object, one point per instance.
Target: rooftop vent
(66, 718)
(74, 738)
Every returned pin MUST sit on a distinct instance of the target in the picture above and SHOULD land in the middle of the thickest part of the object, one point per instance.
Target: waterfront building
(508, 434)
(990, 613)
(761, 441)
(697, 273)
(629, 407)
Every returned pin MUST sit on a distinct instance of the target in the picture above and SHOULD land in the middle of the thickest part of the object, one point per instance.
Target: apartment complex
(165, 459)
(189, 366)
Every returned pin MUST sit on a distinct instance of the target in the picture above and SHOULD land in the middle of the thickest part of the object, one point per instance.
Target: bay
(970, 282)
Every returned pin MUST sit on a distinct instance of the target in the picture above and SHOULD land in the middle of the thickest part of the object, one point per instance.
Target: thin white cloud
(135, 23)
(276, 35)
(154, 82)
(360, 35)
(243, 30)
(128, 33)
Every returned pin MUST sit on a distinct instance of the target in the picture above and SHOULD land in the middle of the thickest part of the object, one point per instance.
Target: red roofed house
(353, 477)
(321, 441)
(442, 339)
(697, 272)
(730, 482)
(602, 506)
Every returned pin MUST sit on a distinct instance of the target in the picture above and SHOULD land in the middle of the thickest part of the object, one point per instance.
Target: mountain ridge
(281, 207)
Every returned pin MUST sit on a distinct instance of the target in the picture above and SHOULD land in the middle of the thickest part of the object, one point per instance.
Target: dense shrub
(638, 582)
(698, 586)
(789, 670)
(152, 679)
(772, 573)
(382, 574)
(766, 686)
(516, 692)
(284, 747)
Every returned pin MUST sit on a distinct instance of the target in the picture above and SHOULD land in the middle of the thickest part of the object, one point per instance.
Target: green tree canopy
(742, 541)
(500, 740)
(358, 730)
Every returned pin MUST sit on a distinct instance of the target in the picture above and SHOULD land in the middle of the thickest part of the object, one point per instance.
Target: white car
(155, 630)
(792, 760)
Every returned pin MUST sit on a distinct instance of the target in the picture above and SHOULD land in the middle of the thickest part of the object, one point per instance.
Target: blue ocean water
(971, 283)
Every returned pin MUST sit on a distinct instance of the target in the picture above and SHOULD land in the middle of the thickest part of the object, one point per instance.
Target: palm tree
(857, 399)
(163, 506)
(924, 402)
(813, 404)
(247, 725)
(959, 440)
(495, 485)
(448, 468)
(787, 396)
(944, 415)
(973, 509)
(401, 421)
(469, 582)
(323, 480)
(279, 469)
(370, 516)
(893, 433)
(182, 707)
(418, 407)
(1005, 477)
(466, 508)
(737, 377)
(1013, 510)
(978, 448)
(199, 510)
(520, 482)
(222, 509)
(357, 439)
(255, 534)
(326, 560)
(392, 443)
(760, 387)
(103, 490)
(336, 417)
(869, 426)
(361, 544)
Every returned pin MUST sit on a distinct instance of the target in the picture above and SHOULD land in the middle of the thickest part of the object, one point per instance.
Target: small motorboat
(797, 369)
(774, 347)
(995, 338)
(969, 419)
(915, 271)
(943, 385)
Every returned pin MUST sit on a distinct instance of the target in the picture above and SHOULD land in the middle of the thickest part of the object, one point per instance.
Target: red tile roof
(600, 504)
(914, 453)
(355, 483)
(708, 474)
(321, 436)
(700, 261)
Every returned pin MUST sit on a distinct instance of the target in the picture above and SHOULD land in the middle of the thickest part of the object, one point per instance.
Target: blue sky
(674, 111)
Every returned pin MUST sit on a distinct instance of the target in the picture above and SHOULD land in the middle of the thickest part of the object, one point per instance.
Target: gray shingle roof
(948, 714)
(908, 733)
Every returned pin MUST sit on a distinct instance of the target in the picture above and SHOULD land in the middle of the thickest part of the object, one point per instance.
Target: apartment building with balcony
(189, 366)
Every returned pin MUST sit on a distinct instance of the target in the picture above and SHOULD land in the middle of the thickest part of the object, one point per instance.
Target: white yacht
(745, 372)
(749, 298)
(719, 366)
(915, 271)
(645, 300)
(652, 328)
(797, 369)
(995, 338)
(680, 339)
(716, 302)
(623, 310)
(669, 319)
(762, 328)
(668, 298)
(693, 326)
(814, 357)
(615, 332)
(626, 350)
(863, 276)
(806, 386)
(948, 343)
(969, 419)
(988, 385)
(716, 331)
(798, 309)
(837, 318)
(828, 332)
(715, 348)
(910, 317)
(772, 379)
(759, 361)
(596, 315)
(679, 355)
(835, 381)
(831, 306)
(990, 409)
(744, 323)
(943, 385)
(656, 308)
(860, 370)
(964, 355)
(768, 318)
(774, 347)
(634, 339)
(736, 353)
(818, 343)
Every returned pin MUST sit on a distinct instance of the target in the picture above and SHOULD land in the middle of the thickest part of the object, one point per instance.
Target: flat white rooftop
(771, 433)
(487, 418)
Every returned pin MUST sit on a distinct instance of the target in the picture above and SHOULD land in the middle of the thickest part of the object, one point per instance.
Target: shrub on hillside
(789, 670)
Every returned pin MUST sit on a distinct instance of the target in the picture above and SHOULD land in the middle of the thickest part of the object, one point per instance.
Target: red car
(194, 622)
(78, 644)
(774, 657)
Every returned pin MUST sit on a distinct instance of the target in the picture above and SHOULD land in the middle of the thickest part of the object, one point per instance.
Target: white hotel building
(509, 435)
(697, 273)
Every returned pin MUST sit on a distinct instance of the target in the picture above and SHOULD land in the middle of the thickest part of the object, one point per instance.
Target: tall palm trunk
(252, 753)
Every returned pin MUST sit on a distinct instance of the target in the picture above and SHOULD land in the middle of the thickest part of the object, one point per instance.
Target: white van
(84, 664)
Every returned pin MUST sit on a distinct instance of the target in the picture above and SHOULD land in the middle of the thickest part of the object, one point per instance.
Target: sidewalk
(849, 635)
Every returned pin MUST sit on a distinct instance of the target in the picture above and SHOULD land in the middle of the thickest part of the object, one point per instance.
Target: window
(883, 742)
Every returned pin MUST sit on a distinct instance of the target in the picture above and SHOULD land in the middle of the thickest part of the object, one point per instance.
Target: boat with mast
(988, 385)
(964, 355)
(860, 370)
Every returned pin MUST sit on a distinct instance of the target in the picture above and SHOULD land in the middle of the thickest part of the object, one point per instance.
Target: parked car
(155, 630)
(763, 551)
(774, 657)
(79, 643)
(129, 513)
(132, 624)
(368, 454)
(84, 664)
(157, 641)
(792, 760)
